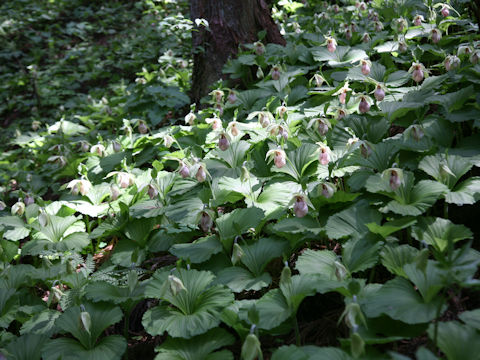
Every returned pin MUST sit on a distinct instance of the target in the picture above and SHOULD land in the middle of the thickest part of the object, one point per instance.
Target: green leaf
(27, 347)
(257, 255)
(276, 197)
(102, 316)
(457, 341)
(138, 230)
(110, 347)
(465, 193)
(189, 312)
(398, 299)
(298, 161)
(395, 257)
(352, 221)
(15, 228)
(455, 100)
(297, 289)
(237, 222)
(423, 195)
(439, 232)
(239, 279)
(342, 56)
(319, 263)
(310, 352)
(429, 281)
(200, 347)
(360, 254)
(391, 227)
(471, 318)
(445, 169)
(273, 309)
(42, 323)
(103, 291)
(234, 156)
(199, 251)
(185, 212)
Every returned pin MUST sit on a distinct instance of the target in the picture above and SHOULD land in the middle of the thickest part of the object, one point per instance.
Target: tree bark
(231, 23)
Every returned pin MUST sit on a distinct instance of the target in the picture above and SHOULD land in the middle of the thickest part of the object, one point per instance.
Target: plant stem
(297, 330)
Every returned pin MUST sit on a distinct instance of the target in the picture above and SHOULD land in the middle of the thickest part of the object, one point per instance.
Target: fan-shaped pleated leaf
(352, 221)
(439, 232)
(398, 299)
(201, 347)
(198, 251)
(188, 312)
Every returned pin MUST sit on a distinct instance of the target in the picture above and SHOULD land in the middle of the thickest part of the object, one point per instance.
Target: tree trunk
(231, 23)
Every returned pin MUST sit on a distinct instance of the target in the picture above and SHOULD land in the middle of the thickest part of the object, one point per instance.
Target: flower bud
(379, 93)
(300, 207)
(340, 271)
(394, 180)
(79, 186)
(28, 199)
(318, 80)
(117, 147)
(328, 190)
(417, 21)
(245, 175)
(215, 122)
(201, 175)
(86, 321)
(190, 118)
(365, 150)
(251, 348)
(18, 208)
(445, 12)
(98, 149)
(348, 34)
(237, 253)
(168, 141)
(402, 46)
(152, 192)
(342, 97)
(436, 35)
(275, 73)
(324, 157)
(259, 48)
(125, 179)
(232, 97)
(378, 26)
(417, 133)
(206, 222)
(84, 146)
(142, 127)
(357, 345)
(283, 132)
(280, 158)
(183, 170)
(36, 125)
(475, 57)
(322, 127)
(331, 45)
(366, 38)
(176, 285)
(281, 111)
(364, 106)
(365, 67)
(451, 62)
(43, 218)
(223, 142)
(114, 192)
(233, 128)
